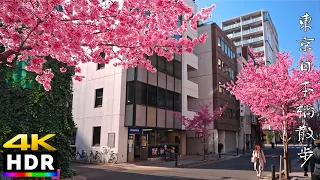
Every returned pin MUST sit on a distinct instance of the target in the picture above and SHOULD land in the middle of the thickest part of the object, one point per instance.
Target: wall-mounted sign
(130, 137)
(134, 130)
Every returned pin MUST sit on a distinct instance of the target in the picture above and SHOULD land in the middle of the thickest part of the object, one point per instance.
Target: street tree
(99, 31)
(278, 94)
(200, 122)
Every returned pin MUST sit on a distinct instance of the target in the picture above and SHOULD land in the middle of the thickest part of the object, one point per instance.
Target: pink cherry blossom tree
(200, 122)
(99, 31)
(278, 94)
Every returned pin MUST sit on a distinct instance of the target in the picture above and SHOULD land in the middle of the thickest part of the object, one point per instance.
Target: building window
(111, 138)
(130, 92)
(152, 95)
(99, 97)
(177, 69)
(222, 45)
(153, 60)
(177, 102)
(219, 42)
(141, 93)
(222, 115)
(220, 64)
(161, 98)
(170, 100)
(225, 48)
(101, 66)
(220, 88)
(96, 136)
(170, 68)
(162, 64)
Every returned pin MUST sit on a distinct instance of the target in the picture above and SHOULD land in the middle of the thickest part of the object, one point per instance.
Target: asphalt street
(238, 168)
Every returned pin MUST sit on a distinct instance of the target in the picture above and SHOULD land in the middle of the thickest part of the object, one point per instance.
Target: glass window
(161, 98)
(177, 69)
(219, 42)
(229, 53)
(177, 102)
(170, 100)
(153, 60)
(152, 95)
(162, 64)
(222, 45)
(99, 97)
(170, 68)
(220, 64)
(141, 93)
(96, 136)
(220, 88)
(130, 92)
(226, 48)
(101, 66)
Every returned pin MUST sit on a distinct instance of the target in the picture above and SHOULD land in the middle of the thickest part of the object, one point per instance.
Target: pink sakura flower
(63, 69)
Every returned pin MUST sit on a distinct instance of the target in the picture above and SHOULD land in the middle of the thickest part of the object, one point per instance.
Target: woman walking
(258, 159)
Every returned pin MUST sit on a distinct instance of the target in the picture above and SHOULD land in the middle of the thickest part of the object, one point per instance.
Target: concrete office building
(131, 111)
(250, 133)
(217, 65)
(255, 30)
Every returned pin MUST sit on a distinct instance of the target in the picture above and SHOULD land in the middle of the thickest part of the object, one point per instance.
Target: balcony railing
(249, 31)
(248, 41)
(258, 49)
(253, 30)
(242, 23)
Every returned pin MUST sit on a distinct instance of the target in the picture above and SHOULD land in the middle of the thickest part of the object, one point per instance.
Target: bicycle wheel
(91, 157)
(98, 157)
(113, 158)
(85, 157)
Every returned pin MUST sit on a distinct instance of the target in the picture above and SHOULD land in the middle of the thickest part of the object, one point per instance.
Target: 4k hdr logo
(35, 142)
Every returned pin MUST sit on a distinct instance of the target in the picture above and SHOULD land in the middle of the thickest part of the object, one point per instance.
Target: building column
(183, 143)
(215, 140)
(210, 143)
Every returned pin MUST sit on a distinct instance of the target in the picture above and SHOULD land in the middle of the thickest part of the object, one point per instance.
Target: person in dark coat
(220, 147)
(315, 162)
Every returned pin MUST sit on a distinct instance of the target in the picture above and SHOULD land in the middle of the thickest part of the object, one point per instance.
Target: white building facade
(131, 110)
(256, 30)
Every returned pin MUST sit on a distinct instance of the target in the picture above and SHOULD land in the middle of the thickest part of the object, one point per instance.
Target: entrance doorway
(137, 146)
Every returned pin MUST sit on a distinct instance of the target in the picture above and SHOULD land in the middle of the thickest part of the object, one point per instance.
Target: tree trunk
(285, 150)
(203, 149)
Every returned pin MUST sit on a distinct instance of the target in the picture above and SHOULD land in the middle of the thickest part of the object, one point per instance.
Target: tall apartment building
(131, 111)
(217, 65)
(255, 30)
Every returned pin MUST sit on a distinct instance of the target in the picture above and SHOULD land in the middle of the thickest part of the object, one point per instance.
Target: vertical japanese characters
(305, 111)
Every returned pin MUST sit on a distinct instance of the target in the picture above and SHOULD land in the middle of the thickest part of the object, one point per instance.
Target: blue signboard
(135, 130)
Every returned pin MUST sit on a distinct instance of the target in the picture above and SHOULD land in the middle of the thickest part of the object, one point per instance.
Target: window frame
(142, 101)
(160, 59)
(163, 98)
(100, 97)
(178, 64)
(101, 66)
(93, 136)
(219, 42)
(169, 99)
(149, 101)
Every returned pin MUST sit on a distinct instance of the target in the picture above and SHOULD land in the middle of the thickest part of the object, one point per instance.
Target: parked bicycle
(81, 156)
(109, 156)
(97, 156)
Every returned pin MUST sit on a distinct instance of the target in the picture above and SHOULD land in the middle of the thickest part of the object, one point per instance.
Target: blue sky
(285, 15)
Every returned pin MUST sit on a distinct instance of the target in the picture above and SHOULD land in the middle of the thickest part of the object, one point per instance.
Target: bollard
(176, 159)
(243, 151)
(219, 154)
(273, 172)
(237, 151)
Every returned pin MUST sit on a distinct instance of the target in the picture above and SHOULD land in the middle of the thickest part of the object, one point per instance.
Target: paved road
(238, 168)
